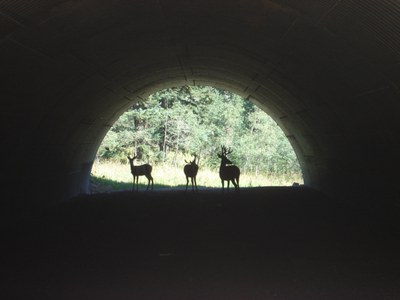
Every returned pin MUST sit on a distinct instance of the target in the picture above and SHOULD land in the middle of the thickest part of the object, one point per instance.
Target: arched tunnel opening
(176, 124)
(326, 71)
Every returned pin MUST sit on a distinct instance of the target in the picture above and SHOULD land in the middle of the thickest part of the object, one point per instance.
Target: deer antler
(191, 162)
(225, 150)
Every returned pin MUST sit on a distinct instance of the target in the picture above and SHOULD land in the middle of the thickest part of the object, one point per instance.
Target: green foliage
(175, 123)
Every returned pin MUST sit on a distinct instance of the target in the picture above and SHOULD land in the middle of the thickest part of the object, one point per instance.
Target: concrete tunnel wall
(326, 71)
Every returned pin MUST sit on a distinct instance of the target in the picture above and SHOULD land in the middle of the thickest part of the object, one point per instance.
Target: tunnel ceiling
(327, 71)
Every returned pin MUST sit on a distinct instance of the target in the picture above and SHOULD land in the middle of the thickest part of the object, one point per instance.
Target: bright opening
(176, 124)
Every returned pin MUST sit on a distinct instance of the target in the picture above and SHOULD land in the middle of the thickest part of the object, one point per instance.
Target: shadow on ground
(263, 243)
(105, 185)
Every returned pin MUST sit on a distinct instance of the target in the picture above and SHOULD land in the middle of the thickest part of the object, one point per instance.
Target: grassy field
(109, 176)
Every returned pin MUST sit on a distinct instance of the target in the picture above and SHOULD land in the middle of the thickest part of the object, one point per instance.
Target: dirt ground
(261, 243)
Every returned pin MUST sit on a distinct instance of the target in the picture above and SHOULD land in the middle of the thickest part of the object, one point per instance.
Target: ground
(261, 243)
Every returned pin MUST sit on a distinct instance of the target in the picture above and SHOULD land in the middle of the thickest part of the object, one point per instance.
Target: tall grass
(170, 176)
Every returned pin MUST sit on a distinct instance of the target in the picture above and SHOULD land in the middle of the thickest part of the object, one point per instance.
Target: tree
(198, 120)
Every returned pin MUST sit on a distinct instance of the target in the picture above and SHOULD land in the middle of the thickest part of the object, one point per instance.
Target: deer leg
(234, 182)
(192, 179)
(149, 179)
(195, 183)
(228, 184)
(187, 183)
(222, 185)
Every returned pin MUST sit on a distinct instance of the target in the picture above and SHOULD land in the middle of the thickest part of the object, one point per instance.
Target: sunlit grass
(118, 177)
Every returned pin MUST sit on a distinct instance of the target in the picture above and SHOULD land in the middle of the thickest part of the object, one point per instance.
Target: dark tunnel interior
(326, 71)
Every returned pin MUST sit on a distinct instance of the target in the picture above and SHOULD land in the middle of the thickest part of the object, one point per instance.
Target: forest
(174, 124)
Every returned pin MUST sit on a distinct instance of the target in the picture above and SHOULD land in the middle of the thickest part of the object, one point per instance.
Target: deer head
(132, 159)
(224, 152)
(193, 162)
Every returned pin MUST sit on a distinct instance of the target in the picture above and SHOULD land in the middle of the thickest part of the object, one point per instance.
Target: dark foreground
(269, 243)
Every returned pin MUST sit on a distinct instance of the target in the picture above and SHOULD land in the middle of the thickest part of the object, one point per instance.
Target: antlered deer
(190, 170)
(228, 173)
(139, 171)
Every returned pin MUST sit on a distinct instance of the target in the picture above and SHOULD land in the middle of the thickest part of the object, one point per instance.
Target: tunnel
(326, 71)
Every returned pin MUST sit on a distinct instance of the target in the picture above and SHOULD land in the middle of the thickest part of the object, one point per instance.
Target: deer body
(229, 173)
(190, 170)
(140, 171)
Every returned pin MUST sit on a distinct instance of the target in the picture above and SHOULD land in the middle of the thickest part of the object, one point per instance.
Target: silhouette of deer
(139, 171)
(228, 173)
(190, 170)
